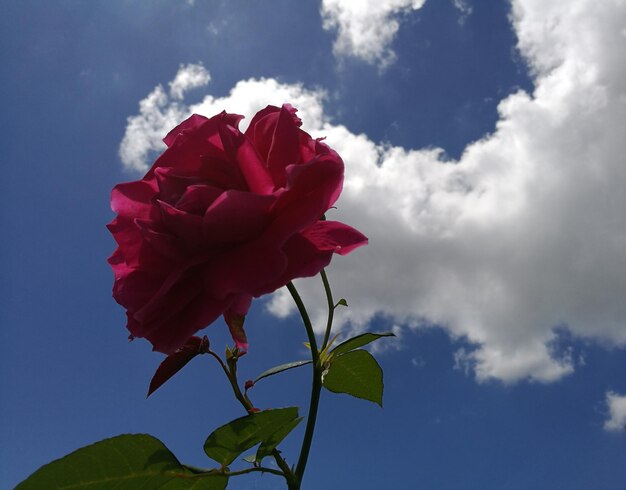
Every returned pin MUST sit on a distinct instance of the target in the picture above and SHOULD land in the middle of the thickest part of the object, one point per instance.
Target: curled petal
(312, 189)
(333, 236)
(134, 199)
(235, 317)
(189, 125)
(309, 251)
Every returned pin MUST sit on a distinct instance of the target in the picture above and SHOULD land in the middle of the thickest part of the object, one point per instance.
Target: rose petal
(235, 317)
(164, 243)
(171, 333)
(172, 183)
(134, 287)
(177, 360)
(284, 149)
(334, 236)
(321, 179)
(260, 130)
(311, 250)
(134, 199)
(197, 198)
(237, 216)
(137, 253)
(223, 173)
(239, 148)
(245, 269)
(186, 226)
(175, 291)
(311, 190)
(189, 146)
(188, 125)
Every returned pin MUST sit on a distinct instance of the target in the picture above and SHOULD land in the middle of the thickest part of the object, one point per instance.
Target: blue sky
(484, 159)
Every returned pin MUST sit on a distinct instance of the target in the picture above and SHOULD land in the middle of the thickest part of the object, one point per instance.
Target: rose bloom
(223, 217)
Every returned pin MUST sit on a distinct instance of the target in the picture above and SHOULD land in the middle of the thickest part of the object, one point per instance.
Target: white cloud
(366, 28)
(617, 412)
(159, 112)
(418, 362)
(188, 77)
(464, 8)
(524, 234)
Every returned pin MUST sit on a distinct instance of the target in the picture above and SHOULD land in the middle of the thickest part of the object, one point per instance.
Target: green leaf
(359, 341)
(356, 373)
(225, 444)
(341, 302)
(250, 458)
(266, 448)
(125, 462)
(280, 369)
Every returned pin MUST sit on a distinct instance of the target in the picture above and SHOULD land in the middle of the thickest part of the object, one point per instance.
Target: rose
(220, 218)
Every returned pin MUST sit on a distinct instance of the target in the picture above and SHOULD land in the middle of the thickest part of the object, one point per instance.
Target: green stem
(307, 321)
(260, 469)
(231, 374)
(315, 388)
(331, 308)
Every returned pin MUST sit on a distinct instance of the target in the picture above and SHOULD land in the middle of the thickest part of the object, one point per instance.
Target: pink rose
(222, 217)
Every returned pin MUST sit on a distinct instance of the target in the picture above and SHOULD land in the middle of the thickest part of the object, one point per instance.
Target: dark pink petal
(311, 250)
(231, 119)
(260, 130)
(172, 183)
(321, 179)
(135, 250)
(284, 149)
(245, 269)
(222, 173)
(292, 111)
(171, 333)
(165, 244)
(236, 217)
(303, 260)
(176, 311)
(235, 317)
(188, 125)
(189, 146)
(126, 234)
(255, 173)
(333, 236)
(186, 226)
(175, 291)
(198, 127)
(197, 198)
(135, 288)
(240, 305)
(134, 199)
(308, 147)
(311, 191)
(177, 360)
